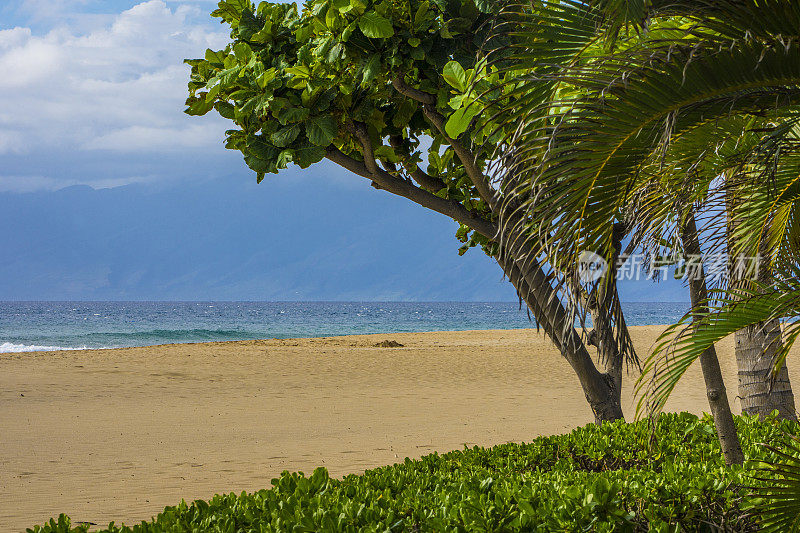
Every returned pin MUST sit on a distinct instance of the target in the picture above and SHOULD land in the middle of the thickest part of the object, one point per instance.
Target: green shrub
(615, 477)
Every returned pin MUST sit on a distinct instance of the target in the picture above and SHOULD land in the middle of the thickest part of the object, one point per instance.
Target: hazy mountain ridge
(294, 237)
(230, 239)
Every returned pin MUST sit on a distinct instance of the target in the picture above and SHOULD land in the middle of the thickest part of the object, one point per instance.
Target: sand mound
(388, 344)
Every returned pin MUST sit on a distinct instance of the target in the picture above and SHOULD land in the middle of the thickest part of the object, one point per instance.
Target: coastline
(264, 341)
(118, 434)
(46, 326)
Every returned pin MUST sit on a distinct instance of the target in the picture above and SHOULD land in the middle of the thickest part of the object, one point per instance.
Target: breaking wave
(10, 347)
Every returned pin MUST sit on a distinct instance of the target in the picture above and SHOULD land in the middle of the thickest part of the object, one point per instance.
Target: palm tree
(629, 137)
(766, 227)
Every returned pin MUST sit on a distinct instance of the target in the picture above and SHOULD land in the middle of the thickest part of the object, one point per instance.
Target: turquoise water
(29, 326)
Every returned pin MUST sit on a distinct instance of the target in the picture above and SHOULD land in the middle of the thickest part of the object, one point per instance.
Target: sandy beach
(118, 434)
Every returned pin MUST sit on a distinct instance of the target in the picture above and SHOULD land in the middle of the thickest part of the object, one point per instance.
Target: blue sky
(97, 160)
(93, 93)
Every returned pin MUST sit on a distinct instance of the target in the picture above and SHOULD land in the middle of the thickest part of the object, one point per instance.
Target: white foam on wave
(10, 347)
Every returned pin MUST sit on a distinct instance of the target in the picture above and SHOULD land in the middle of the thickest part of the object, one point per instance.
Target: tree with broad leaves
(393, 91)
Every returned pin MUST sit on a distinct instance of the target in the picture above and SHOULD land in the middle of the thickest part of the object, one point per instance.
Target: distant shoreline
(37, 326)
(267, 341)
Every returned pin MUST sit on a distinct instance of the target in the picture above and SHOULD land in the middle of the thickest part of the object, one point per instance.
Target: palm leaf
(778, 507)
(577, 177)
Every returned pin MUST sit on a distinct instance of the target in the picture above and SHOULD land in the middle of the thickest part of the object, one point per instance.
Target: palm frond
(681, 344)
(582, 164)
(778, 504)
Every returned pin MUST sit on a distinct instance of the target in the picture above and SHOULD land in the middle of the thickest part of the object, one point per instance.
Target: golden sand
(118, 434)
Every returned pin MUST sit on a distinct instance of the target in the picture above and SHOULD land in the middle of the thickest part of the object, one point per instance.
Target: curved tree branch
(425, 180)
(466, 157)
(415, 94)
(408, 190)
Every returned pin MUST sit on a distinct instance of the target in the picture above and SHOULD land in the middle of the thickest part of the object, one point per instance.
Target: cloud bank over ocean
(109, 191)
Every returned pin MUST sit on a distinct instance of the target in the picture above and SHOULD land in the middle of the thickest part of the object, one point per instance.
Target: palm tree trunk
(715, 385)
(759, 394)
(756, 345)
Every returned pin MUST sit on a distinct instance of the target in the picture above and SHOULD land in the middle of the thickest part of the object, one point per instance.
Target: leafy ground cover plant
(614, 477)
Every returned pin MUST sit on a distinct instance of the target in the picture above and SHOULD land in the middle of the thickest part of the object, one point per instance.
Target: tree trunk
(600, 304)
(715, 385)
(536, 291)
(759, 394)
(756, 346)
(527, 276)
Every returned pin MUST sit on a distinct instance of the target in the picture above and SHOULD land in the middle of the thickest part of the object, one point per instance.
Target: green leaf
(214, 87)
(242, 51)
(375, 26)
(460, 119)
(285, 157)
(255, 104)
(215, 58)
(486, 6)
(198, 106)
(304, 33)
(264, 35)
(260, 155)
(386, 153)
(231, 10)
(334, 53)
(455, 76)
(225, 109)
(266, 77)
(249, 25)
(458, 25)
(348, 31)
(321, 130)
(291, 114)
(286, 135)
(404, 113)
(299, 71)
(414, 42)
(371, 69)
(358, 7)
(333, 19)
(308, 154)
(422, 12)
(444, 32)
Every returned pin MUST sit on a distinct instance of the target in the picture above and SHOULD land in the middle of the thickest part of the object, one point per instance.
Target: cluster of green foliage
(291, 81)
(614, 477)
(299, 82)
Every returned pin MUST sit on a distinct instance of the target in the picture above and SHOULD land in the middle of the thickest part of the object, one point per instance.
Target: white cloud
(14, 37)
(143, 138)
(29, 64)
(118, 86)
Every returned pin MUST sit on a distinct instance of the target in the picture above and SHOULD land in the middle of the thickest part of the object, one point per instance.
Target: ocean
(32, 326)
